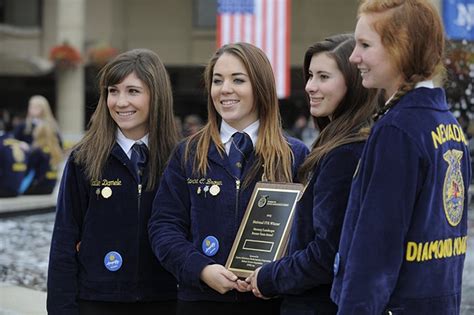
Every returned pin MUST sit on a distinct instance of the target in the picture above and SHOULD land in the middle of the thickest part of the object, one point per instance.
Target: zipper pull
(237, 184)
(139, 189)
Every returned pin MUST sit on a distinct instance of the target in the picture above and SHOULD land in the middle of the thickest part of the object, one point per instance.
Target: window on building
(204, 14)
(21, 13)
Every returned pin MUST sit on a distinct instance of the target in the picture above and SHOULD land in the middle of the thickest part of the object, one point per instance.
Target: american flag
(264, 23)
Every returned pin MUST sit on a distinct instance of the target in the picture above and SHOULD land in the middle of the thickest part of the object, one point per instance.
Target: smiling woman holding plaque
(342, 109)
(210, 178)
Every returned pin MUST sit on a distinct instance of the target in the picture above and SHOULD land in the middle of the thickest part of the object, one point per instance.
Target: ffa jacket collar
(118, 153)
(423, 97)
(222, 159)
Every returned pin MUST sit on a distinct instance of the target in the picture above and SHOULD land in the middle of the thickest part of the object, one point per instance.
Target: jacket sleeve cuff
(265, 281)
(193, 268)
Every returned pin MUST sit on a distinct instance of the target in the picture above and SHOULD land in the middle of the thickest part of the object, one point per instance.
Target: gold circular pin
(214, 190)
(106, 192)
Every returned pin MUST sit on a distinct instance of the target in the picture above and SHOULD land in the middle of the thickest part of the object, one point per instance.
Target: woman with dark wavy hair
(342, 110)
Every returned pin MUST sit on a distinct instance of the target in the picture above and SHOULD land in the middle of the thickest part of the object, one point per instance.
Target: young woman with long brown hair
(204, 191)
(101, 261)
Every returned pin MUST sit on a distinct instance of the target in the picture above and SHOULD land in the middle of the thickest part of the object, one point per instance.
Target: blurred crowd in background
(32, 150)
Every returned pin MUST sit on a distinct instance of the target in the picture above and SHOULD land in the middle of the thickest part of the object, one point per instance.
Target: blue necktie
(139, 158)
(240, 150)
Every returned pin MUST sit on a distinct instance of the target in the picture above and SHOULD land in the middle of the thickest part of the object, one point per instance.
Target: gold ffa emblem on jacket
(453, 188)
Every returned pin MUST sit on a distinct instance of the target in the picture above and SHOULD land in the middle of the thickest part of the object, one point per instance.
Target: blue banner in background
(458, 18)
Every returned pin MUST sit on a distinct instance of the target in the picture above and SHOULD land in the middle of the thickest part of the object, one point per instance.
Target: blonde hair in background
(46, 115)
(46, 138)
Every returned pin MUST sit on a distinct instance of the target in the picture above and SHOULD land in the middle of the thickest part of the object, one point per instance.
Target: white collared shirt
(227, 132)
(427, 84)
(126, 144)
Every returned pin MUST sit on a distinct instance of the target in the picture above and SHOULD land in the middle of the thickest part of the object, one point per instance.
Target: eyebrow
(233, 74)
(127, 86)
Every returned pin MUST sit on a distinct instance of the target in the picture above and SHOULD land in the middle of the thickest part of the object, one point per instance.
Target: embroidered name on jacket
(443, 133)
(106, 182)
(203, 181)
(438, 249)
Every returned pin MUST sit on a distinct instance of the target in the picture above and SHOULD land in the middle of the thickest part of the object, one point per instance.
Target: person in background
(403, 241)
(101, 261)
(45, 157)
(191, 125)
(39, 111)
(208, 183)
(5, 121)
(14, 155)
(342, 109)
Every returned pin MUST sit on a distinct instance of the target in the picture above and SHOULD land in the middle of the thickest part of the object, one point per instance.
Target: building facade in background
(182, 32)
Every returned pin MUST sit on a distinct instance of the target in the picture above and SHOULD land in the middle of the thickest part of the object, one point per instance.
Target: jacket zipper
(237, 191)
(138, 235)
(236, 224)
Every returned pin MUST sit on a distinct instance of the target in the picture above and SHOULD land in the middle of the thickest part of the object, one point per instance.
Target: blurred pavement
(24, 251)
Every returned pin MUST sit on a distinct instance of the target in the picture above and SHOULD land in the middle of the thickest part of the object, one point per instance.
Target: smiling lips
(125, 114)
(229, 103)
(316, 100)
(363, 71)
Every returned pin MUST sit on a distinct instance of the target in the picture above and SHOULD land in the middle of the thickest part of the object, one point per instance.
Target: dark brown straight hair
(352, 117)
(95, 147)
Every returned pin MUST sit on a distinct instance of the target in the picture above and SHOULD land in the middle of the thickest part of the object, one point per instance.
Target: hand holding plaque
(264, 231)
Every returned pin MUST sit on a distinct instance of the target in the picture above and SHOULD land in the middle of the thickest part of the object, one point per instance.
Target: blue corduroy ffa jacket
(403, 241)
(185, 213)
(105, 215)
(305, 275)
(14, 157)
(46, 174)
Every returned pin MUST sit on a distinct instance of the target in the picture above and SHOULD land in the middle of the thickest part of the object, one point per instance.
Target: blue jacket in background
(185, 213)
(14, 157)
(45, 174)
(403, 241)
(20, 133)
(305, 275)
(106, 215)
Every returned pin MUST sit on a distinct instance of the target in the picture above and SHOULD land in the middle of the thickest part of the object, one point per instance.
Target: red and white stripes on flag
(264, 23)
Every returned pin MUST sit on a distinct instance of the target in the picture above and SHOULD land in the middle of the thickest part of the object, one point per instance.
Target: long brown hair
(412, 33)
(352, 116)
(272, 151)
(92, 151)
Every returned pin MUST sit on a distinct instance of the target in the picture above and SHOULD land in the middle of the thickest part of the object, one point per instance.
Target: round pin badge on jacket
(106, 192)
(210, 246)
(113, 261)
(337, 260)
(214, 190)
